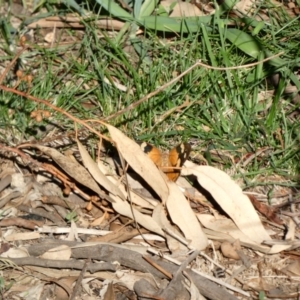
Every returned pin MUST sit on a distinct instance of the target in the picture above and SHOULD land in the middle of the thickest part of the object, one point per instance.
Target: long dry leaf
(227, 226)
(225, 229)
(72, 168)
(147, 222)
(183, 216)
(97, 174)
(135, 198)
(231, 198)
(140, 162)
(160, 217)
(23, 236)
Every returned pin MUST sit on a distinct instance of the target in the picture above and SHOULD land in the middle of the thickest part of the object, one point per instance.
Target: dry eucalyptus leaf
(72, 168)
(225, 229)
(110, 293)
(66, 284)
(33, 292)
(140, 162)
(99, 221)
(223, 225)
(15, 253)
(147, 222)
(62, 252)
(135, 198)
(97, 174)
(183, 216)
(231, 198)
(22, 236)
(160, 217)
(128, 279)
(186, 9)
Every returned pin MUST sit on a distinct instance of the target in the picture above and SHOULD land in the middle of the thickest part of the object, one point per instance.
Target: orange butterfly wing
(153, 152)
(177, 158)
(165, 161)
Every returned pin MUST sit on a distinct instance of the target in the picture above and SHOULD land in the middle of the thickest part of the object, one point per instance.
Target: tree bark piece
(133, 260)
(61, 264)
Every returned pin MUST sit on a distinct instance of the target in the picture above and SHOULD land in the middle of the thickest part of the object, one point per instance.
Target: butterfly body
(169, 162)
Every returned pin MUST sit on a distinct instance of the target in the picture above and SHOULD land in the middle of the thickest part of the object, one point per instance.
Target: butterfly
(165, 161)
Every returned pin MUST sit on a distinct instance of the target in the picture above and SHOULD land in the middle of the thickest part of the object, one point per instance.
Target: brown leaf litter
(47, 207)
(80, 228)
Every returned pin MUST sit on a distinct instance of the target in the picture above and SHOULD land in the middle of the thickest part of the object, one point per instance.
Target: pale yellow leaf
(23, 236)
(140, 162)
(135, 198)
(159, 215)
(62, 252)
(100, 220)
(96, 173)
(231, 198)
(225, 229)
(183, 216)
(147, 222)
(15, 253)
(291, 230)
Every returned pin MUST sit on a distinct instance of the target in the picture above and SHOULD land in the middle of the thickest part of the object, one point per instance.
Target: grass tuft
(93, 73)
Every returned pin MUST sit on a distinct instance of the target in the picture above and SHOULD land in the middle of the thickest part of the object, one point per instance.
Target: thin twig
(158, 267)
(56, 108)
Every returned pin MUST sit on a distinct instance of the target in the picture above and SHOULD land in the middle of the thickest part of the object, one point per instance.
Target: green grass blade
(245, 42)
(73, 4)
(208, 46)
(258, 28)
(115, 9)
(187, 25)
(137, 8)
(295, 80)
(148, 7)
(271, 121)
